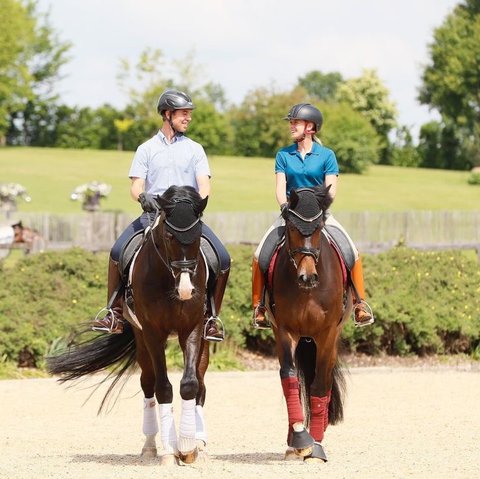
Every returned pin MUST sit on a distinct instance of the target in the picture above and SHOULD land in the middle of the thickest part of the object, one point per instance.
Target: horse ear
(164, 204)
(202, 205)
(323, 196)
(293, 199)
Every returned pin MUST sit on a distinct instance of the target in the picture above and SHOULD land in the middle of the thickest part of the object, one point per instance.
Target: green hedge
(424, 303)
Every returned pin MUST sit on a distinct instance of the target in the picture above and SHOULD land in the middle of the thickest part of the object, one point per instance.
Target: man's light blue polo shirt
(162, 164)
(307, 172)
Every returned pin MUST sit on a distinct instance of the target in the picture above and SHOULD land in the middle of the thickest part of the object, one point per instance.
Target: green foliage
(424, 303)
(403, 151)
(450, 83)
(30, 62)
(474, 178)
(321, 86)
(451, 79)
(351, 137)
(257, 122)
(47, 296)
(367, 95)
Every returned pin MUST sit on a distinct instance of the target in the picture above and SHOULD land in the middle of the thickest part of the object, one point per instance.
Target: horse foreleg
(298, 438)
(147, 381)
(320, 394)
(189, 387)
(200, 426)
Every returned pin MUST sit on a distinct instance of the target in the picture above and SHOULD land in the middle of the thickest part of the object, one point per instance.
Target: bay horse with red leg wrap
(169, 289)
(308, 308)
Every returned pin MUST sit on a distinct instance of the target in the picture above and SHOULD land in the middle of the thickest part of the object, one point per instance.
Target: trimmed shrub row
(424, 303)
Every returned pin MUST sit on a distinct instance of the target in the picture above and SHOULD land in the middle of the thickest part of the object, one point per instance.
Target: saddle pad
(129, 251)
(336, 235)
(210, 256)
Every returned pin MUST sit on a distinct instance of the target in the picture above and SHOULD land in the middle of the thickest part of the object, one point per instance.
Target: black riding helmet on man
(187, 164)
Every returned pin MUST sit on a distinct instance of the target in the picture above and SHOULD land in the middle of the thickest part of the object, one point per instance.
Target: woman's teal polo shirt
(307, 172)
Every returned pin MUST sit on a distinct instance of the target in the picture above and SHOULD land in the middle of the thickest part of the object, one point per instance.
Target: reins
(183, 266)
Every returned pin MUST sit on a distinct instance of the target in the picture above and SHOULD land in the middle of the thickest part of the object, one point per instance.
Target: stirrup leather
(363, 305)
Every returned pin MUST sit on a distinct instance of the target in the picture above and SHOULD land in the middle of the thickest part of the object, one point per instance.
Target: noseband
(181, 266)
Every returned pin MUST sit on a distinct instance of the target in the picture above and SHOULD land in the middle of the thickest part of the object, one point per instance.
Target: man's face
(181, 119)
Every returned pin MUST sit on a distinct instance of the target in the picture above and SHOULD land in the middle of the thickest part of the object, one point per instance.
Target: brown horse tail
(112, 353)
(305, 358)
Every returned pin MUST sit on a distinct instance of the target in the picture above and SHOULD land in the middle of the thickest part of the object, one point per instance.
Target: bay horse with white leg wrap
(308, 305)
(169, 289)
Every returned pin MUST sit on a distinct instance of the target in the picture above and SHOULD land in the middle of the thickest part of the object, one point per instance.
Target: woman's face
(181, 119)
(297, 129)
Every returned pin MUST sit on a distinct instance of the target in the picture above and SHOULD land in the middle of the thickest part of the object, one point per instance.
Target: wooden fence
(371, 231)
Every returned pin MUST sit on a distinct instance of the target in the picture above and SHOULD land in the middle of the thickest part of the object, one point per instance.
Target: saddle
(345, 255)
(127, 259)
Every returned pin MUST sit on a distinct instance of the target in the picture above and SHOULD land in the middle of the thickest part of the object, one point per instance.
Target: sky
(245, 44)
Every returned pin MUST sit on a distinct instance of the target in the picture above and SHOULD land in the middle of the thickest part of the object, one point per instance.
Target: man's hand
(148, 202)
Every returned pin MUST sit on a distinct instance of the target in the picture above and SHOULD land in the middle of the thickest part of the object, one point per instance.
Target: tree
(321, 86)
(367, 95)
(31, 56)
(257, 121)
(351, 136)
(403, 151)
(451, 80)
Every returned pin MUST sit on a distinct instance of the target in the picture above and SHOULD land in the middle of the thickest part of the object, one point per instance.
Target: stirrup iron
(359, 324)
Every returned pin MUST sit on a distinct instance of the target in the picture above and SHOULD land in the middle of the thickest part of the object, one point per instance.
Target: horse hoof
(317, 456)
(149, 452)
(307, 451)
(168, 460)
(290, 455)
(188, 457)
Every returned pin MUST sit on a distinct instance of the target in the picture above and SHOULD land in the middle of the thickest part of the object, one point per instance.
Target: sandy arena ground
(399, 423)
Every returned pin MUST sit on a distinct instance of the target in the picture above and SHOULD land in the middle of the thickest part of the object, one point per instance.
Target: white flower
(9, 192)
(88, 190)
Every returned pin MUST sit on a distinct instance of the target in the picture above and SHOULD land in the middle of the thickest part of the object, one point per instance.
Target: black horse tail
(305, 360)
(113, 352)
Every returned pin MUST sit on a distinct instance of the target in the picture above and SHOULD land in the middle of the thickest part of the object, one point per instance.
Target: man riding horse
(169, 158)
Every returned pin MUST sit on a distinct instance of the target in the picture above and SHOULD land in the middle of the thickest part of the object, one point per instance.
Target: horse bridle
(313, 252)
(182, 266)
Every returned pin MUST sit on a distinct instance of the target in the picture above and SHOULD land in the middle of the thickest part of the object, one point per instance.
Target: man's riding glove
(148, 202)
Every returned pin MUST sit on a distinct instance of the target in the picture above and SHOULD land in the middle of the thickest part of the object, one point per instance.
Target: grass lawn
(238, 184)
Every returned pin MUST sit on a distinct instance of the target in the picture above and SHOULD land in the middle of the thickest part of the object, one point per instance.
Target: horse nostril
(314, 278)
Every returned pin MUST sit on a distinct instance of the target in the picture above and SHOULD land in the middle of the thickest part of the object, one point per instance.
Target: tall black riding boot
(213, 330)
(112, 322)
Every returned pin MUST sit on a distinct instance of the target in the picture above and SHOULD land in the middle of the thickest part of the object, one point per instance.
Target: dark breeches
(147, 219)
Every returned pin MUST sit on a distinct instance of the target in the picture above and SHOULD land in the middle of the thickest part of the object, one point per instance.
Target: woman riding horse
(305, 163)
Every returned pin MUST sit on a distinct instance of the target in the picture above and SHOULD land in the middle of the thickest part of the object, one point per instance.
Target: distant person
(305, 163)
(169, 158)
